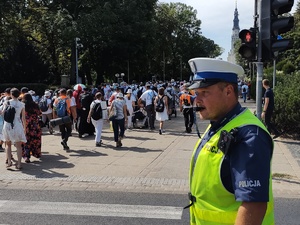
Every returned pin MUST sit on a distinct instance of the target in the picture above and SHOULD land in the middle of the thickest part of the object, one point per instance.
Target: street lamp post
(77, 46)
(119, 77)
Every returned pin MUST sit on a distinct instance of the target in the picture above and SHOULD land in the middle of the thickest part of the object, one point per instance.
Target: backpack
(9, 114)
(43, 104)
(187, 100)
(244, 90)
(61, 107)
(97, 111)
(160, 105)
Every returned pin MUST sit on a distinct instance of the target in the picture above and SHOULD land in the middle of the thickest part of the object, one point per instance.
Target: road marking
(91, 209)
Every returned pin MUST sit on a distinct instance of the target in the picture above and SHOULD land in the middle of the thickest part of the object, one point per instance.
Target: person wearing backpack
(5, 96)
(98, 112)
(147, 97)
(46, 109)
(186, 107)
(244, 91)
(161, 108)
(14, 131)
(62, 106)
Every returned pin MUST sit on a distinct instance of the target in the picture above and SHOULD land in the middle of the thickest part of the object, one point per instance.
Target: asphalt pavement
(147, 162)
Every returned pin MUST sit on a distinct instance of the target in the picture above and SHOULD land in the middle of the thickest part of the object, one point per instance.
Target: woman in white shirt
(98, 123)
(130, 103)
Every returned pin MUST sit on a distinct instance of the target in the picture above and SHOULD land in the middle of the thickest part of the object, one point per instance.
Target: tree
(179, 39)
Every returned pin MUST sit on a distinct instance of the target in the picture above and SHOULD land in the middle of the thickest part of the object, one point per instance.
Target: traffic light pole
(259, 65)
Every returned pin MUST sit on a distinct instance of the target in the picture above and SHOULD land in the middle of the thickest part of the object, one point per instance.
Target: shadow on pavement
(85, 153)
(133, 149)
(294, 143)
(43, 168)
(286, 180)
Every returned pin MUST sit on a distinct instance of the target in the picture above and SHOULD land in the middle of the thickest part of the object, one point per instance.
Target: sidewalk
(147, 162)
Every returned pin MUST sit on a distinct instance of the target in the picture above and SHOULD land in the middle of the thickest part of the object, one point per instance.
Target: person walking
(62, 108)
(225, 185)
(14, 133)
(47, 114)
(130, 103)
(97, 118)
(84, 127)
(4, 97)
(148, 97)
(244, 91)
(163, 115)
(268, 108)
(118, 123)
(33, 145)
(186, 107)
(72, 108)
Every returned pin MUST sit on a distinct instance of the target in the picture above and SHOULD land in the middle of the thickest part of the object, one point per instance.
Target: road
(100, 207)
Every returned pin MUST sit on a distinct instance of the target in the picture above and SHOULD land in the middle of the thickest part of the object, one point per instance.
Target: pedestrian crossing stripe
(91, 209)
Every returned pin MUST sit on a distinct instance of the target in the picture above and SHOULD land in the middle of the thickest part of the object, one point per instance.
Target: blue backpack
(43, 104)
(61, 107)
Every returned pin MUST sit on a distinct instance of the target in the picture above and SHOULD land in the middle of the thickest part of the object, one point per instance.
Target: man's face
(212, 101)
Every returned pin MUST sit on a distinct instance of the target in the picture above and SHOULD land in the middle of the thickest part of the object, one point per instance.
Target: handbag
(112, 113)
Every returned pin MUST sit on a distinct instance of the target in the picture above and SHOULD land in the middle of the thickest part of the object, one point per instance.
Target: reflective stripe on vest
(214, 204)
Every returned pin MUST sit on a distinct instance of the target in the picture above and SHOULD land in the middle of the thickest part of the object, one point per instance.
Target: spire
(236, 18)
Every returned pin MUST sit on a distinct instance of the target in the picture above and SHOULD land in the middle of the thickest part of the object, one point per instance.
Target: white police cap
(208, 71)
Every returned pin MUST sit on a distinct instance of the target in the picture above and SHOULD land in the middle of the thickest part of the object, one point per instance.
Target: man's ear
(229, 89)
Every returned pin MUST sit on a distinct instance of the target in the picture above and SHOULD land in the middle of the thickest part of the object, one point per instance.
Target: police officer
(230, 177)
(185, 105)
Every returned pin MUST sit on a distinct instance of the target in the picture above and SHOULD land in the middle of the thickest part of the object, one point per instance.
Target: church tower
(234, 35)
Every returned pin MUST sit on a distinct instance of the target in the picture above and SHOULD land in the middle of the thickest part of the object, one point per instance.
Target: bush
(287, 104)
(37, 87)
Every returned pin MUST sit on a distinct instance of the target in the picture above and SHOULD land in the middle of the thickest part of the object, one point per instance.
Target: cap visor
(199, 84)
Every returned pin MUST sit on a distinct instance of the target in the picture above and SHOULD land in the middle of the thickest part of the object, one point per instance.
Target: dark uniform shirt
(270, 94)
(245, 170)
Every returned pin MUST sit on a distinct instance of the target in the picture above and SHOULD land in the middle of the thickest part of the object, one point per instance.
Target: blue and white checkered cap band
(224, 76)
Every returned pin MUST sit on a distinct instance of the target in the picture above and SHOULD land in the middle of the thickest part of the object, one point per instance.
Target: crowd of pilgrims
(33, 119)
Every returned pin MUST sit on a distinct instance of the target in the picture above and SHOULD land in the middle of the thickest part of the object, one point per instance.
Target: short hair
(222, 85)
(15, 92)
(266, 82)
(98, 95)
(7, 90)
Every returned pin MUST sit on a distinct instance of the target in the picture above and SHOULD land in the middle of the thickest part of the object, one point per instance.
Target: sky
(217, 18)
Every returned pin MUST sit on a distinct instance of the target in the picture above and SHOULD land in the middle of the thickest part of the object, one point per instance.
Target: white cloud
(217, 18)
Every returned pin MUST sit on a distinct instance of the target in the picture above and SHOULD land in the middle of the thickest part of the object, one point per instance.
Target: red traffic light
(246, 36)
(248, 45)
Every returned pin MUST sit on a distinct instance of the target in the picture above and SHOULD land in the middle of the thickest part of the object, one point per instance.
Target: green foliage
(142, 37)
(37, 87)
(287, 104)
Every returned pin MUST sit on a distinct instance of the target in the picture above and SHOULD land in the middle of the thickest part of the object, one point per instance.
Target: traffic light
(248, 47)
(272, 25)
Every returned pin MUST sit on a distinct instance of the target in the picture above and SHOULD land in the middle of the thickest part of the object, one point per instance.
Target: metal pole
(259, 66)
(164, 66)
(128, 71)
(76, 60)
(180, 68)
(274, 72)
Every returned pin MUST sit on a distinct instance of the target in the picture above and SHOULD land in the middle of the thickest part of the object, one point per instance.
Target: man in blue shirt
(269, 108)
